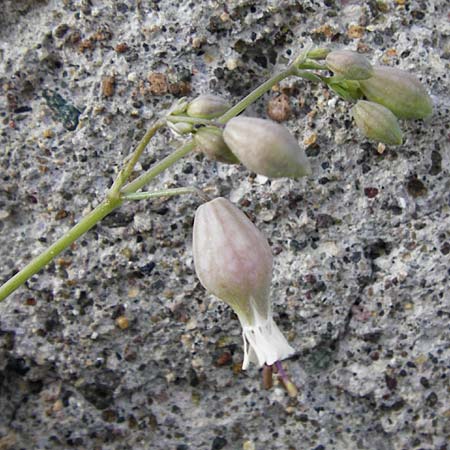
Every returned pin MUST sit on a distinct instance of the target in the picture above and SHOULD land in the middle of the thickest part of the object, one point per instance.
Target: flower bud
(318, 53)
(234, 262)
(179, 107)
(180, 127)
(266, 147)
(347, 89)
(377, 122)
(399, 91)
(349, 65)
(209, 141)
(207, 106)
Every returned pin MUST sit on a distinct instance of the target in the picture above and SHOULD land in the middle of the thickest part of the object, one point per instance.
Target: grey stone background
(362, 247)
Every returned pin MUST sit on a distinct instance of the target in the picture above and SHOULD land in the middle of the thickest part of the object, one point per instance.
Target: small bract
(377, 122)
(399, 91)
(349, 65)
(266, 147)
(233, 261)
(207, 106)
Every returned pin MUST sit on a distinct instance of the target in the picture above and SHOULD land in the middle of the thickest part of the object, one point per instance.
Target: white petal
(264, 343)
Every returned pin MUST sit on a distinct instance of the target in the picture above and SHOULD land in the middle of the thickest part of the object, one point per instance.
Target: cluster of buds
(232, 258)
(390, 94)
(263, 146)
(233, 261)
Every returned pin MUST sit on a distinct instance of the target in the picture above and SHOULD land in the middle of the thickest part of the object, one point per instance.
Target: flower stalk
(85, 224)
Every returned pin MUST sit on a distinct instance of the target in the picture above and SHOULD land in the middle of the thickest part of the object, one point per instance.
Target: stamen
(267, 376)
(283, 374)
(290, 387)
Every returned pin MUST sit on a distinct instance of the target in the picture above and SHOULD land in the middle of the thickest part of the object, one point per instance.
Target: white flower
(233, 261)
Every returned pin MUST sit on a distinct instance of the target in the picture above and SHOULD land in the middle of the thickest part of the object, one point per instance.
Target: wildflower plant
(232, 258)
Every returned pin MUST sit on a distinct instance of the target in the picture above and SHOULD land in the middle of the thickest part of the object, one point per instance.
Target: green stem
(187, 119)
(300, 63)
(301, 58)
(164, 164)
(310, 64)
(318, 53)
(161, 193)
(85, 224)
(254, 95)
(309, 76)
(118, 191)
(125, 173)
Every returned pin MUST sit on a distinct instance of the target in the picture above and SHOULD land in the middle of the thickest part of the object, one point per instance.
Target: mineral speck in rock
(371, 192)
(219, 443)
(108, 85)
(64, 111)
(158, 83)
(121, 47)
(445, 249)
(61, 30)
(122, 322)
(279, 108)
(324, 220)
(416, 188)
(436, 163)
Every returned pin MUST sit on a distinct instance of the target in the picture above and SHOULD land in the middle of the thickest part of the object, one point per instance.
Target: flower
(377, 122)
(399, 91)
(266, 147)
(209, 141)
(207, 106)
(233, 261)
(349, 65)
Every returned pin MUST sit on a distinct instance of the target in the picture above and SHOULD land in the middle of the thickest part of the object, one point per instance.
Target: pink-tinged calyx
(233, 261)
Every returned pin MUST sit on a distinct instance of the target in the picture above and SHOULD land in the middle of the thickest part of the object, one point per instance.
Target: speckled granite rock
(116, 345)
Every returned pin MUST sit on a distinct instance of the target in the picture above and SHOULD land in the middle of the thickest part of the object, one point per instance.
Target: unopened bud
(233, 261)
(347, 89)
(349, 65)
(180, 127)
(318, 53)
(399, 91)
(207, 106)
(377, 122)
(179, 107)
(209, 140)
(266, 147)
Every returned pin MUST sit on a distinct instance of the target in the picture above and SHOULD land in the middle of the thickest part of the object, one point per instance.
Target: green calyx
(399, 91)
(209, 141)
(377, 122)
(347, 89)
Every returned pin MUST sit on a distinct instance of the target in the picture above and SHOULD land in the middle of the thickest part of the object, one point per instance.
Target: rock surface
(115, 345)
